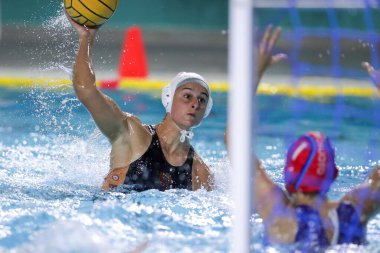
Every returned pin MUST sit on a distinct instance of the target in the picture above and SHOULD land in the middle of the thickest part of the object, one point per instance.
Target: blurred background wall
(210, 14)
(321, 38)
(193, 14)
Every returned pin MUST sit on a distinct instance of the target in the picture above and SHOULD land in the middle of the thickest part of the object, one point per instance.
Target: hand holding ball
(91, 13)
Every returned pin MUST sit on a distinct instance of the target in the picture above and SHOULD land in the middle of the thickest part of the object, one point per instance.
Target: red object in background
(133, 60)
(109, 84)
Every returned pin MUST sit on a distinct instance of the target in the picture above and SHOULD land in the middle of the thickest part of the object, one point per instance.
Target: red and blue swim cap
(310, 164)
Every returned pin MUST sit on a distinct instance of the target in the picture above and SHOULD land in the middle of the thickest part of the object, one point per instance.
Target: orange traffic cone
(133, 60)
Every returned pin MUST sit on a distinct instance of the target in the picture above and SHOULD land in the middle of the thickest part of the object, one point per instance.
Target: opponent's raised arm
(269, 197)
(105, 112)
(366, 197)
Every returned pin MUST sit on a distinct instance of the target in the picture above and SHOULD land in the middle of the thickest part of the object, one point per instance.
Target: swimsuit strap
(333, 215)
(152, 129)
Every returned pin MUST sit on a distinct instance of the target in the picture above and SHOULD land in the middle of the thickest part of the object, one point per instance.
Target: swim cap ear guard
(310, 165)
(181, 79)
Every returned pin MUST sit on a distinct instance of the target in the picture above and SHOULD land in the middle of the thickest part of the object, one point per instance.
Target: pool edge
(266, 88)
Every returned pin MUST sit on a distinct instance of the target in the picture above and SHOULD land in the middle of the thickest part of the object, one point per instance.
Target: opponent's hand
(373, 74)
(265, 58)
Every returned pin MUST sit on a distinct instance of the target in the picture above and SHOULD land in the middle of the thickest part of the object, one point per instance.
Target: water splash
(58, 51)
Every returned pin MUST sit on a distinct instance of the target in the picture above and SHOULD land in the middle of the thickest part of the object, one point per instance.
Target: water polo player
(147, 157)
(303, 214)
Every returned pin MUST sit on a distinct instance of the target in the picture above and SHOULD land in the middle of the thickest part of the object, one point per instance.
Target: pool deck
(33, 56)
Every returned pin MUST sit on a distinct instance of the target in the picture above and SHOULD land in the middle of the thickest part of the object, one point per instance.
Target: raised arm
(267, 192)
(274, 207)
(269, 197)
(107, 115)
(271, 202)
(366, 197)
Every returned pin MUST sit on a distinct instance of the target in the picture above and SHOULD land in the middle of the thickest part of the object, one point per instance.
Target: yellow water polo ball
(90, 13)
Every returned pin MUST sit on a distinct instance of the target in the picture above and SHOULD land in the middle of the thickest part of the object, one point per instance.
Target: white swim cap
(181, 79)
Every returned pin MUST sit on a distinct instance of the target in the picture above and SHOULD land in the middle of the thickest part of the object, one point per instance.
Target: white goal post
(240, 113)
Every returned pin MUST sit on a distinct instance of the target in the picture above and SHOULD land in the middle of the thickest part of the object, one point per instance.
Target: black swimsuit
(153, 171)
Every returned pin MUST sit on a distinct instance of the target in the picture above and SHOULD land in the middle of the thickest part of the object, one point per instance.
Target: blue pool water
(53, 159)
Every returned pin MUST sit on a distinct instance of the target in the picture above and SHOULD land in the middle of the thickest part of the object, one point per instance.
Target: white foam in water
(69, 236)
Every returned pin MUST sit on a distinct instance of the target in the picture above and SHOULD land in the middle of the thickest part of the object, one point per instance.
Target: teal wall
(205, 14)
